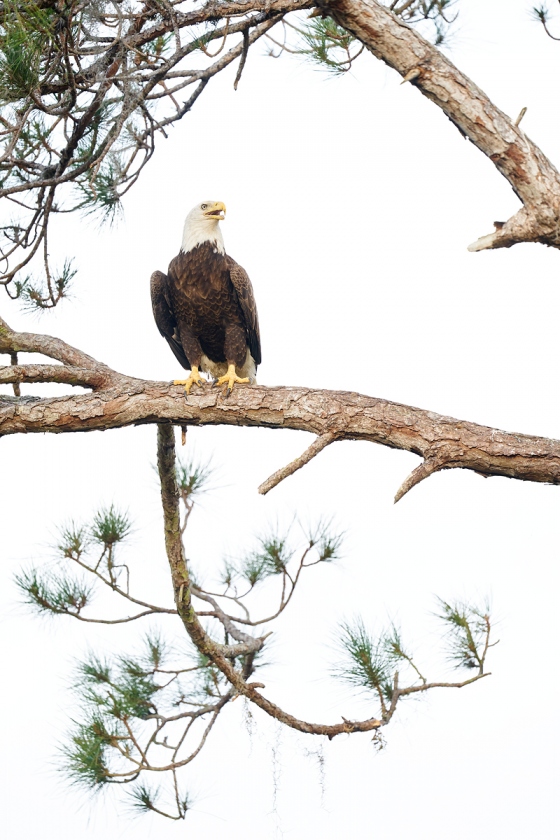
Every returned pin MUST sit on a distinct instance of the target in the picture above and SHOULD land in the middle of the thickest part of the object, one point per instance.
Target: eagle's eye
(203, 206)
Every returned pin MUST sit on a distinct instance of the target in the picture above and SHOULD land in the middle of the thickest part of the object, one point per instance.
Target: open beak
(218, 211)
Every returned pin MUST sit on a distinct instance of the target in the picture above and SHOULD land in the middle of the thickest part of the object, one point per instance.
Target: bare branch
(243, 58)
(52, 373)
(247, 643)
(532, 176)
(414, 689)
(331, 415)
(431, 465)
(292, 467)
(47, 345)
(520, 116)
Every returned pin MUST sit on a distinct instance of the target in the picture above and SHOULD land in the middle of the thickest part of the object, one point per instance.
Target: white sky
(351, 203)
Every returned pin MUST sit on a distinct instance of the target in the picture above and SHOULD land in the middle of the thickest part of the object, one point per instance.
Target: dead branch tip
(425, 469)
(520, 117)
(411, 75)
(318, 444)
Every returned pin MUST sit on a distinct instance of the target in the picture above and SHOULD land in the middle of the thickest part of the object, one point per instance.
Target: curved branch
(197, 634)
(47, 345)
(52, 373)
(248, 644)
(532, 176)
(113, 620)
(443, 442)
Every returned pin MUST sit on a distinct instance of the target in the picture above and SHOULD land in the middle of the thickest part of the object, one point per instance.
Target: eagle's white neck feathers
(199, 230)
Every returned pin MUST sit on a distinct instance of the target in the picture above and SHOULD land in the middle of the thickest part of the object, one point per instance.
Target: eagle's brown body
(206, 310)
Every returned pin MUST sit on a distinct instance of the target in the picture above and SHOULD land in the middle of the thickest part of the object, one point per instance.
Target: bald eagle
(204, 306)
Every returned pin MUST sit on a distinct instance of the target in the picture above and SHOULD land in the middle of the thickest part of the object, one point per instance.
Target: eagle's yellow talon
(230, 378)
(194, 379)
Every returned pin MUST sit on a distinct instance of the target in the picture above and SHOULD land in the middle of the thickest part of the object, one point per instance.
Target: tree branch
(119, 401)
(424, 470)
(201, 640)
(47, 345)
(532, 176)
(52, 373)
(316, 447)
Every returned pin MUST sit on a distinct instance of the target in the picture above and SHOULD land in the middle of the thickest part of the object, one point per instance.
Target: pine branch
(121, 401)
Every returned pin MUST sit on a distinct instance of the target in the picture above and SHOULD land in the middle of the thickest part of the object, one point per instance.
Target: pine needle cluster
(146, 715)
(380, 665)
(85, 548)
(87, 88)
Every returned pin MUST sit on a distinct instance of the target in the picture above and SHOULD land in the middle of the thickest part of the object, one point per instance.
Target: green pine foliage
(48, 592)
(110, 526)
(330, 47)
(366, 665)
(73, 540)
(156, 649)
(270, 557)
(326, 541)
(253, 569)
(193, 477)
(101, 191)
(26, 40)
(34, 292)
(144, 798)
(85, 756)
(467, 634)
(65, 591)
(327, 45)
(150, 711)
(275, 554)
(383, 666)
(123, 701)
(82, 109)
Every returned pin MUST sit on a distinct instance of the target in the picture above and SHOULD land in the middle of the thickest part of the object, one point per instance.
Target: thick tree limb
(532, 176)
(117, 401)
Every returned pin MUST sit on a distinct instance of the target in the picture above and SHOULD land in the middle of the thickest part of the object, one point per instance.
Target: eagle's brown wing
(242, 286)
(165, 317)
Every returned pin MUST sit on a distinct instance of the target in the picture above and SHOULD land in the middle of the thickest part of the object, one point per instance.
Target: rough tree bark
(532, 176)
(117, 400)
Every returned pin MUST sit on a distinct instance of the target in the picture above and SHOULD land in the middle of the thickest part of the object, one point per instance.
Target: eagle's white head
(202, 225)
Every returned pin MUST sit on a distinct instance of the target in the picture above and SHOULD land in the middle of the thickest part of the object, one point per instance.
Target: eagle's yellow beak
(216, 211)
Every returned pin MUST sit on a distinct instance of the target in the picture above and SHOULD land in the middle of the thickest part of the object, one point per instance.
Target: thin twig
(520, 117)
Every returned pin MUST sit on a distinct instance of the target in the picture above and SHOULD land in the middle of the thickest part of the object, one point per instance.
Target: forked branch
(118, 400)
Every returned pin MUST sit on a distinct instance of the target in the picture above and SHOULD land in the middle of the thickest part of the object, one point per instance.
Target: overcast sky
(351, 202)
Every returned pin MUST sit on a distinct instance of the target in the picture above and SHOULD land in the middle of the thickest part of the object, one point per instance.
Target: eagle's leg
(194, 379)
(230, 378)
